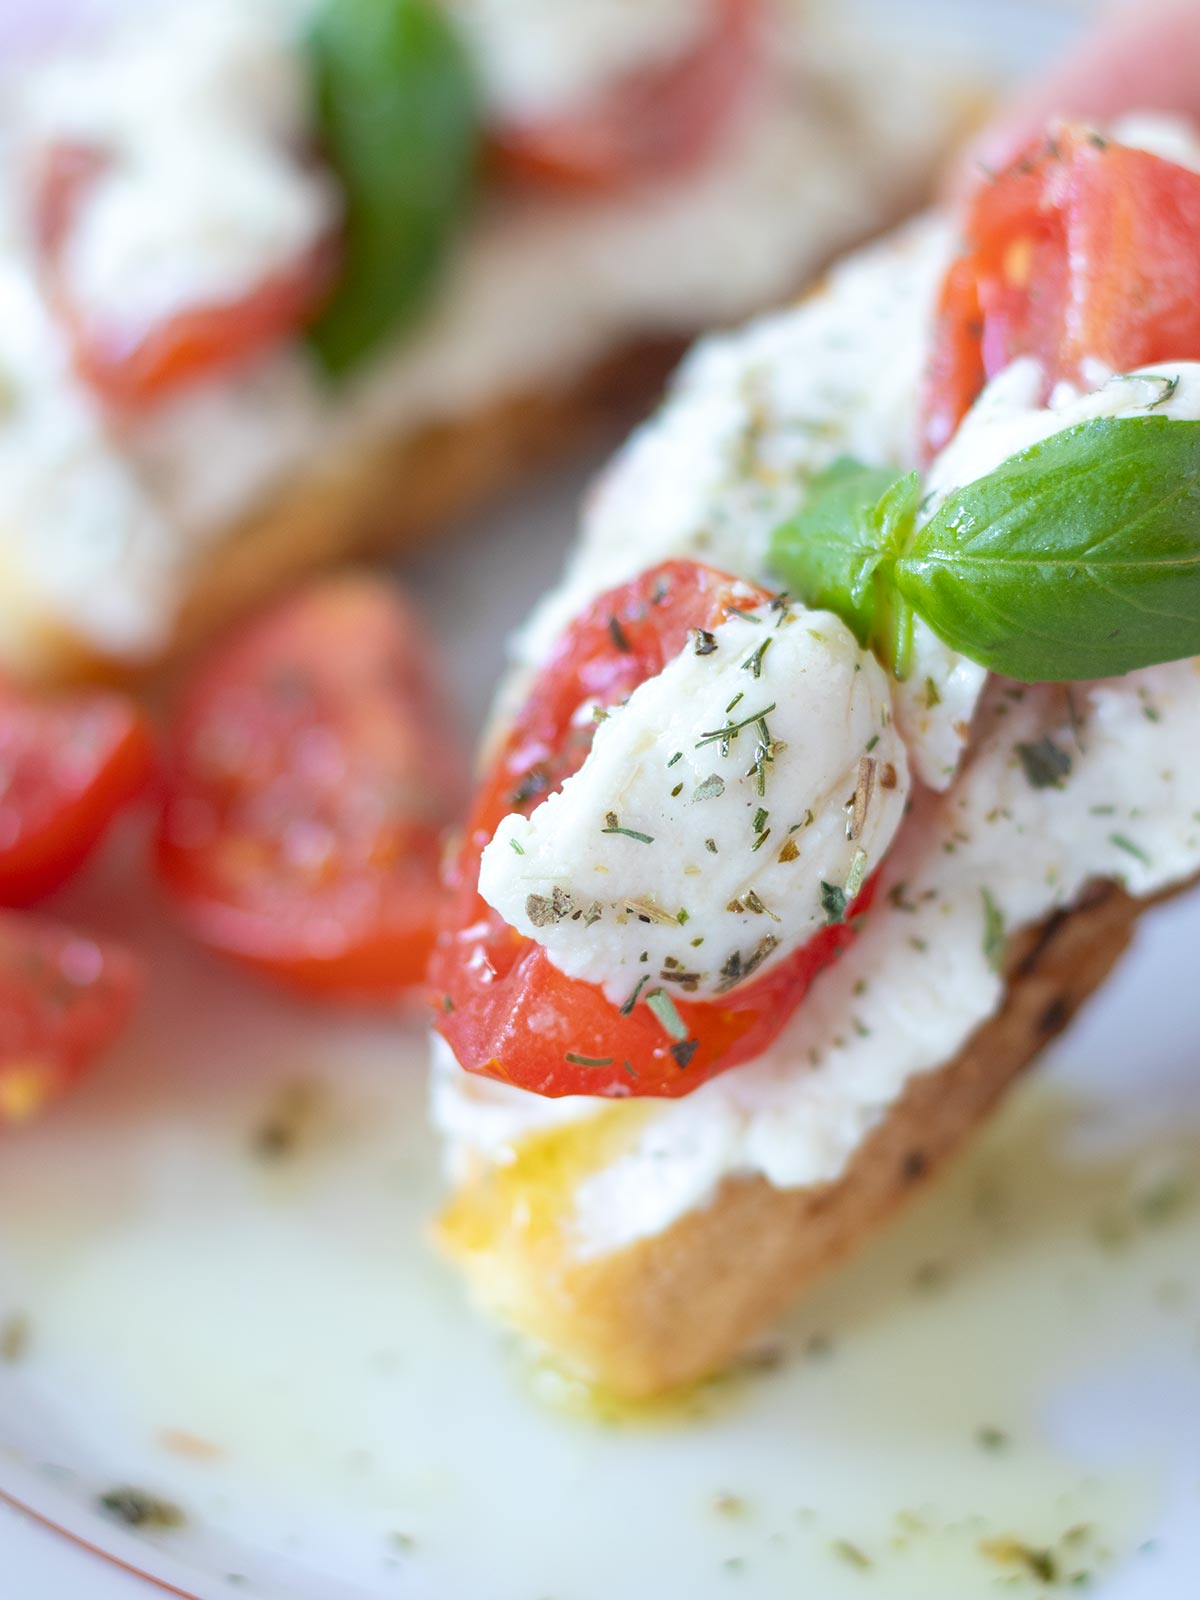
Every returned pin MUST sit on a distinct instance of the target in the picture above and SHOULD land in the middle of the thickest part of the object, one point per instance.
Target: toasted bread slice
(674, 1307)
(373, 499)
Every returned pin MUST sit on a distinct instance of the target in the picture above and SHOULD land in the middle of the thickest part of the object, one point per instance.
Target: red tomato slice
(68, 764)
(136, 362)
(312, 770)
(652, 124)
(505, 1009)
(63, 998)
(1081, 248)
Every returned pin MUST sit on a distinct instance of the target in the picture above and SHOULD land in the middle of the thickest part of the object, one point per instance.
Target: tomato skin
(653, 124)
(505, 1009)
(136, 364)
(68, 765)
(64, 998)
(312, 771)
(1081, 248)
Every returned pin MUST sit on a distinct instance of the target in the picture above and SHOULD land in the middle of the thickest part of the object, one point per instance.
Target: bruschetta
(836, 772)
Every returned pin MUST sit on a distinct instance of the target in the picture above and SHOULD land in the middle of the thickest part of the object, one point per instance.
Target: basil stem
(837, 552)
(1077, 558)
(833, 548)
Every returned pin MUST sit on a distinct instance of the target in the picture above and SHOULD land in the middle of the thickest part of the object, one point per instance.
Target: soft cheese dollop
(752, 417)
(698, 860)
(203, 118)
(1009, 417)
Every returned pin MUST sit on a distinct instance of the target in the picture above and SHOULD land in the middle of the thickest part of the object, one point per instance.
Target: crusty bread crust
(671, 1309)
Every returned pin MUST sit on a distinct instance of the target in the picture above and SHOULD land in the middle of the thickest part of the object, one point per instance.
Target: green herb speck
(833, 903)
(1046, 764)
(853, 1555)
(629, 833)
(629, 1004)
(619, 636)
(992, 1439)
(668, 1017)
(994, 937)
(138, 1509)
(753, 663)
(1124, 842)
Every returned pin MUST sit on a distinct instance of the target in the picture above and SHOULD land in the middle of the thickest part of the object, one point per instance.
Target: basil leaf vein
(1077, 558)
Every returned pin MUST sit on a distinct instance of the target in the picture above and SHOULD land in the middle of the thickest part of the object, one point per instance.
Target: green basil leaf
(397, 115)
(1077, 558)
(832, 550)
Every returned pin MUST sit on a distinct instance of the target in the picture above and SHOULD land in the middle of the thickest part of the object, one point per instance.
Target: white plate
(271, 1346)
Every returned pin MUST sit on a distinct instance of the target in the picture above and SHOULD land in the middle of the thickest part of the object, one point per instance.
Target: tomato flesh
(137, 363)
(313, 768)
(652, 124)
(68, 764)
(1082, 248)
(64, 997)
(502, 1005)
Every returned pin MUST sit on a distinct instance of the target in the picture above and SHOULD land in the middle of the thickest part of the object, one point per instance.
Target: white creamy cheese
(203, 117)
(541, 58)
(75, 523)
(1008, 418)
(537, 291)
(921, 977)
(698, 861)
(1172, 138)
(934, 705)
(752, 417)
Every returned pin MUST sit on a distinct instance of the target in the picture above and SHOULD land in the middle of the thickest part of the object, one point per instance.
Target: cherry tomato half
(64, 997)
(652, 124)
(68, 764)
(312, 770)
(1080, 248)
(136, 362)
(505, 1009)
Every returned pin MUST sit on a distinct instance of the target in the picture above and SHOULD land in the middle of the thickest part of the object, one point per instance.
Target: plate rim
(125, 1552)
